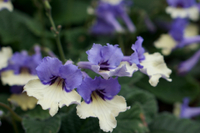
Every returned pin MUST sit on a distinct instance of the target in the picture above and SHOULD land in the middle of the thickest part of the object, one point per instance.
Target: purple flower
(188, 112)
(138, 54)
(21, 68)
(101, 100)
(105, 60)
(52, 70)
(6, 4)
(106, 89)
(107, 14)
(56, 84)
(187, 65)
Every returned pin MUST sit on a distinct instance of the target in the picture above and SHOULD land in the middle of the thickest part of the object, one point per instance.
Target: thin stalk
(121, 43)
(55, 30)
(16, 116)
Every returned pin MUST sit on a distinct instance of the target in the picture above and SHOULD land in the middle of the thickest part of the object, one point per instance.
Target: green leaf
(167, 123)
(131, 121)
(174, 91)
(147, 100)
(131, 80)
(37, 113)
(51, 125)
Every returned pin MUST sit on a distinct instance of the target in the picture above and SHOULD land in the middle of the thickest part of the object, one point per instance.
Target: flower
(21, 68)
(105, 60)
(5, 54)
(188, 112)
(187, 65)
(6, 4)
(107, 13)
(56, 84)
(151, 64)
(1, 113)
(178, 36)
(183, 9)
(101, 101)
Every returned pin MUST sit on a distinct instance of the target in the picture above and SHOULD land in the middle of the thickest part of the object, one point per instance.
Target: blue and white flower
(180, 35)
(106, 61)
(101, 101)
(183, 9)
(151, 64)
(21, 68)
(56, 84)
(6, 4)
(107, 13)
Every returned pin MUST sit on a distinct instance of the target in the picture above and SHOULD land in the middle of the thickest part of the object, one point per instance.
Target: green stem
(121, 44)
(55, 30)
(17, 117)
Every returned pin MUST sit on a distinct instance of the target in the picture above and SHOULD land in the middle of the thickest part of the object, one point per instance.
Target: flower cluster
(182, 33)
(56, 82)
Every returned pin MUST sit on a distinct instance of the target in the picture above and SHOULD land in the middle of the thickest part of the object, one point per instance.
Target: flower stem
(54, 29)
(121, 43)
(17, 117)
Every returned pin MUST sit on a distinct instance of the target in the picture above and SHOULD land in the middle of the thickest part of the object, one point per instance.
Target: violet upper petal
(94, 54)
(72, 76)
(87, 87)
(110, 87)
(48, 69)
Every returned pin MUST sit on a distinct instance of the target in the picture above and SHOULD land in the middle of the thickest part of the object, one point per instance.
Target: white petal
(23, 100)
(8, 77)
(105, 110)
(166, 43)
(5, 54)
(192, 12)
(155, 68)
(6, 5)
(112, 2)
(51, 96)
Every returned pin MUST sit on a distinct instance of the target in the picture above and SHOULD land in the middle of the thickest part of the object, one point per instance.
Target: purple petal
(48, 69)
(187, 65)
(87, 87)
(110, 87)
(188, 112)
(181, 3)
(188, 41)
(94, 54)
(138, 54)
(72, 76)
(112, 55)
(177, 28)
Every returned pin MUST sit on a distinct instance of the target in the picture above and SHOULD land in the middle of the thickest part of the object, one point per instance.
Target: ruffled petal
(23, 100)
(72, 76)
(94, 54)
(104, 110)
(155, 68)
(192, 12)
(5, 54)
(48, 69)
(166, 43)
(8, 77)
(51, 96)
